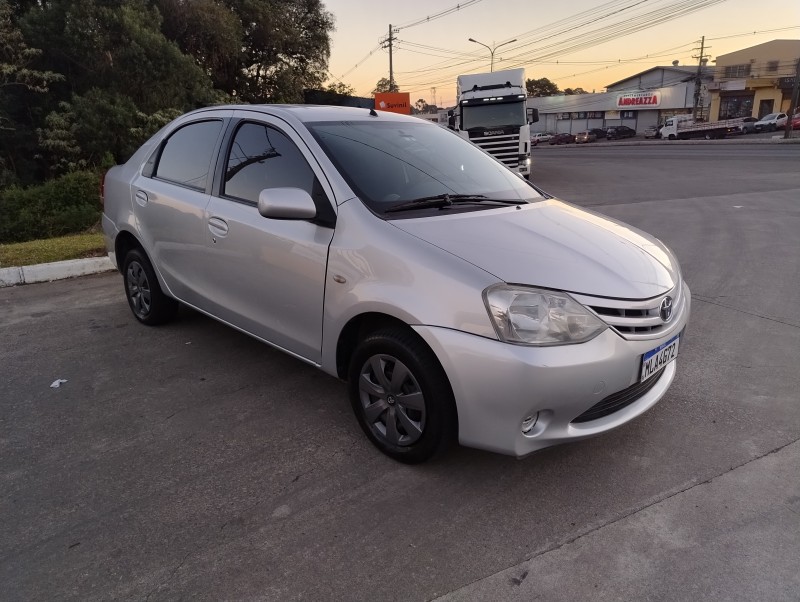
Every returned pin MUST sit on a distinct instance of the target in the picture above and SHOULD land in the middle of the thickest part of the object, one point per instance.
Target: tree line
(544, 87)
(84, 82)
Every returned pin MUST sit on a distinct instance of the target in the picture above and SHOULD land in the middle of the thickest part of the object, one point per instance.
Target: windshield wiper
(446, 200)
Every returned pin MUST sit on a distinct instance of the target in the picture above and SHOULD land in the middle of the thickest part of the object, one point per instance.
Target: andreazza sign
(634, 100)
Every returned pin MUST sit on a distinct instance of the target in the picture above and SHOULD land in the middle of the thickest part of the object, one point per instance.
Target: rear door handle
(141, 197)
(218, 226)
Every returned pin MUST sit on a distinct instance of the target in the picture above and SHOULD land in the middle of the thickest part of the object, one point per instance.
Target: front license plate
(657, 358)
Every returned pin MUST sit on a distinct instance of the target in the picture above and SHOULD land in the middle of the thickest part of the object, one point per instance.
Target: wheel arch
(359, 327)
(124, 242)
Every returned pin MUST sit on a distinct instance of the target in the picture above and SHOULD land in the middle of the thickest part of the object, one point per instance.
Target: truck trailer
(492, 113)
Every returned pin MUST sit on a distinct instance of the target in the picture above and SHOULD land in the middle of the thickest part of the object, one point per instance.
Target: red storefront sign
(639, 99)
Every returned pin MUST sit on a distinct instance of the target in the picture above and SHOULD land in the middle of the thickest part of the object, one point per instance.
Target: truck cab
(492, 113)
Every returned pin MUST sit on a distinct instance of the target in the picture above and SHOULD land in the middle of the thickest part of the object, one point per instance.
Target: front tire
(147, 301)
(401, 396)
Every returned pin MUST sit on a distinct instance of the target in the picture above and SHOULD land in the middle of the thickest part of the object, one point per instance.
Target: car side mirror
(286, 203)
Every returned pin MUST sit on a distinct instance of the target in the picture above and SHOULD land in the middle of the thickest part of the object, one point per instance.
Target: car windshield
(770, 116)
(392, 162)
(486, 116)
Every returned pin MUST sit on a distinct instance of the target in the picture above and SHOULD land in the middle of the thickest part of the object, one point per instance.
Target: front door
(765, 107)
(267, 276)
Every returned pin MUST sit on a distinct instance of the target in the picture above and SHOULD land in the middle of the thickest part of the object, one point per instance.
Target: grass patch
(52, 249)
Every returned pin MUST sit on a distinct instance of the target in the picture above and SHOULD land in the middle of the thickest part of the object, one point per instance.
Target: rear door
(267, 276)
(170, 199)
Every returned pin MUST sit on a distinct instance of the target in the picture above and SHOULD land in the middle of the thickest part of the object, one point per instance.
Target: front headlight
(531, 316)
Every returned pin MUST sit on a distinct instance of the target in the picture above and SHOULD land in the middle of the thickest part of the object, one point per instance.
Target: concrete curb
(58, 270)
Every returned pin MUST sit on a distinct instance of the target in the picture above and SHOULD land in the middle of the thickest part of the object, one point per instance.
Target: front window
(737, 71)
(486, 115)
(731, 107)
(263, 157)
(392, 162)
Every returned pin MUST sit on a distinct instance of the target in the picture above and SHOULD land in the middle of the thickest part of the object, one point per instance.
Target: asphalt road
(191, 461)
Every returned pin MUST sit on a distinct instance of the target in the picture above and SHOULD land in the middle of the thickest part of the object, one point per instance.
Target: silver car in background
(457, 299)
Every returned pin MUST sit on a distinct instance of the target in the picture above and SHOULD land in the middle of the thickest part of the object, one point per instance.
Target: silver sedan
(457, 299)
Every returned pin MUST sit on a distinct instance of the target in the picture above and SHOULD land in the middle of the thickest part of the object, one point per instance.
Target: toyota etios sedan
(456, 299)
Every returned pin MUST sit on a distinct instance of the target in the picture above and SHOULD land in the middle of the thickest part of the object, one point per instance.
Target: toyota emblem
(666, 309)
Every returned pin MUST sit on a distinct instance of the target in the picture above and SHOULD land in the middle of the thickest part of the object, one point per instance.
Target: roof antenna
(373, 113)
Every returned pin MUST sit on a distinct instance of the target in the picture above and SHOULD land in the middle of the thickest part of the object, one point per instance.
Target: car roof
(310, 113)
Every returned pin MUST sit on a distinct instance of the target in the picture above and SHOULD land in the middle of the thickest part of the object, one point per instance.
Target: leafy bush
(65, 205)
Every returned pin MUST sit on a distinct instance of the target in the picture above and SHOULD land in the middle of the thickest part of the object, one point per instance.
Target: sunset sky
(432, 53)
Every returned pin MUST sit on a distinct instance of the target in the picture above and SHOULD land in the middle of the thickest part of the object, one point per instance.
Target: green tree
(119, 48)
(384, 85)
(541, 87)
(254, 50)
(20, 84)
(574, 91)
(210, 32)
(119, 68)
(341, 88)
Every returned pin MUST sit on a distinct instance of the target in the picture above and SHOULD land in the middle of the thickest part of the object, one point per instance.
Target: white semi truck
(492, 113)
(682, 127)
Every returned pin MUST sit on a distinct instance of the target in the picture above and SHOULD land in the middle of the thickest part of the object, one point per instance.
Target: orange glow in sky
(428, 57)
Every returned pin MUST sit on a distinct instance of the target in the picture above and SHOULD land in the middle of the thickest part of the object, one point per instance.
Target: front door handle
(218, 226)
(141, 197)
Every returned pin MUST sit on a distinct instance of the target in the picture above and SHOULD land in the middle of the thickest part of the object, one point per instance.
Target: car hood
(554, 245)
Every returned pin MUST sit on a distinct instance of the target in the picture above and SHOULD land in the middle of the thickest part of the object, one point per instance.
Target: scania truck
(492, 113)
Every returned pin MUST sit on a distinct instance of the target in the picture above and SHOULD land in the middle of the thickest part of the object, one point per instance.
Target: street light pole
(492, 49)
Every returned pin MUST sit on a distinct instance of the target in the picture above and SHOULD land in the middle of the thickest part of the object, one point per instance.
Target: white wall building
(644, 99)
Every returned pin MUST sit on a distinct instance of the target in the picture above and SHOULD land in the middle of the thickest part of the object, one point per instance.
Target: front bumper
(497, 385)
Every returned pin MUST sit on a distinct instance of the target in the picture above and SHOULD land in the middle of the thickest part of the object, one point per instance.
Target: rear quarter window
(186, 155)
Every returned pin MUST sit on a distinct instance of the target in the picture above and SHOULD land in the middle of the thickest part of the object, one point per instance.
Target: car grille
(617, 401)
(637, 320)
(504, 148)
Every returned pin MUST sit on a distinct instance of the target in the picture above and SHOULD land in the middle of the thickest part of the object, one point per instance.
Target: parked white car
(457, 299)
(771, 122)
(540, 137)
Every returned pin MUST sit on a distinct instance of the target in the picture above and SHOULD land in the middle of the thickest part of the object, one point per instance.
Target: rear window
(186, 156)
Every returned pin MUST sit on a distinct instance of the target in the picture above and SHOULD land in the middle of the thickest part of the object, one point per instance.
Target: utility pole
(787, 131)
(698, 78)
(388, 43)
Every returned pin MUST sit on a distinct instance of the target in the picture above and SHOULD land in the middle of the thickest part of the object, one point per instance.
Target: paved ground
(191, 461)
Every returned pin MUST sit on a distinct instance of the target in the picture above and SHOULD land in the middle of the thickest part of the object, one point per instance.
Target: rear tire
(401, 396)
(147, 301)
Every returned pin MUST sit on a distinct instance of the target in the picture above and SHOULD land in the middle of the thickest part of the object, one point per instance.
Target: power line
(750, 33)
(580, 41)
(359, 63)
(438, 15)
